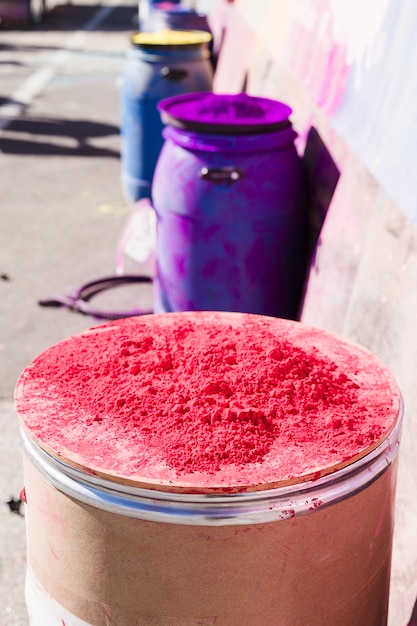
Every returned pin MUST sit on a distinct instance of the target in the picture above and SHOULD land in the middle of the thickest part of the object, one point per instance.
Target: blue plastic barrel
(159, 64)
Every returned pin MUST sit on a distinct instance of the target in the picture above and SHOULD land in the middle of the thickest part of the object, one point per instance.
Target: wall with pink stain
(355, 61)
(346, 67)
(318, 63)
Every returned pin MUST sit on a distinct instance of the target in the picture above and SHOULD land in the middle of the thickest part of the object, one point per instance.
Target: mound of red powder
(207, 399)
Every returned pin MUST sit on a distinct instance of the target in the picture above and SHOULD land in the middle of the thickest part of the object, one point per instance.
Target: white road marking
(33, 85)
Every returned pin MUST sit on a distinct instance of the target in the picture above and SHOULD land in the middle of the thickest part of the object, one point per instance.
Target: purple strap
(79, 299)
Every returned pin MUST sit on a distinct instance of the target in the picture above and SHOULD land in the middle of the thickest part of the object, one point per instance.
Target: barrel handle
(221, 175)
(174, 74)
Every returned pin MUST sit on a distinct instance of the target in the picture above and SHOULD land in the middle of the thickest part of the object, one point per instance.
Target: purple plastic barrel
(230, 199)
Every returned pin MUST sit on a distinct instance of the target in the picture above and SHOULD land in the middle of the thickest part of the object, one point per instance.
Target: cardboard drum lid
(207, 402)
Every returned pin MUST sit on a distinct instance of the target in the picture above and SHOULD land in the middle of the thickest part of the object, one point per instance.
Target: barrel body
(231, 223)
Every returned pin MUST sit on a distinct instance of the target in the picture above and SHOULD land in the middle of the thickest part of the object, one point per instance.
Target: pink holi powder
(207, 400)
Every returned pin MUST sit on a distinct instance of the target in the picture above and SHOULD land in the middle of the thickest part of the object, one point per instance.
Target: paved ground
(61, 209)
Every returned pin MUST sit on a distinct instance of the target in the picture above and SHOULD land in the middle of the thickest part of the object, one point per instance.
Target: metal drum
(230, 198)
(176, 475)
(159, 65)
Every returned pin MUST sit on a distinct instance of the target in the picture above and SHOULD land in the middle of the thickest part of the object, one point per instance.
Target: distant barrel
(159, 65)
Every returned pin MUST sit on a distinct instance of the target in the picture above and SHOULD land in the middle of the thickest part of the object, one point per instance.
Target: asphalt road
(61, 209)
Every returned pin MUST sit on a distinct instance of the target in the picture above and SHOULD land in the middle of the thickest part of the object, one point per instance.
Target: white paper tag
(138, 240)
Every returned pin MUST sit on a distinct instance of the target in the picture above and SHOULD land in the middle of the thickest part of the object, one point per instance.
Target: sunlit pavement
(62, 210)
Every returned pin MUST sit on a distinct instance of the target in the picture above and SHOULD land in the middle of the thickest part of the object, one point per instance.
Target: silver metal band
(216, 510)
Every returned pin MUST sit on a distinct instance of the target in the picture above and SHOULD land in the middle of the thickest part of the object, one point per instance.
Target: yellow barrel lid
(169, 37)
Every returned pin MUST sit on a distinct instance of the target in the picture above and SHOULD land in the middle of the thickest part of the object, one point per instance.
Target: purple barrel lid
(224, 113)
(172, 7)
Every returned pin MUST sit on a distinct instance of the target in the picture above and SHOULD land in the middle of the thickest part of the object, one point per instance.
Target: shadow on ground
(80, 131)
(71, 17)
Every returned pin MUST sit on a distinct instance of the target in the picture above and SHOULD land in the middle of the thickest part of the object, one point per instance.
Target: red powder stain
(315, 504)
(201, 392)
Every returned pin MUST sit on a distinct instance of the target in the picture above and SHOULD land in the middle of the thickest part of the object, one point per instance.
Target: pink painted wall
(346, 67)
(354, 60)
